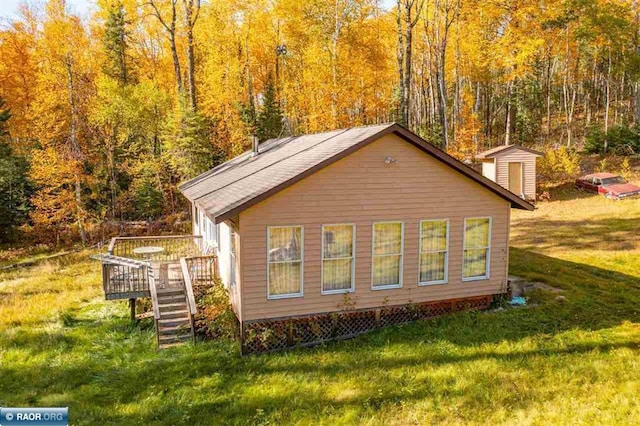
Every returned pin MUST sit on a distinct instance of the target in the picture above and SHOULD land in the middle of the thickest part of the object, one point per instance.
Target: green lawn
(558, 362)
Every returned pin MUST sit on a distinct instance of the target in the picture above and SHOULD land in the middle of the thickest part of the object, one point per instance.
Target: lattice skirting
(276, 334)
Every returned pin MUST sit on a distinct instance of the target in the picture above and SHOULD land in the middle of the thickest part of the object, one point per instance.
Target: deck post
(132, 307)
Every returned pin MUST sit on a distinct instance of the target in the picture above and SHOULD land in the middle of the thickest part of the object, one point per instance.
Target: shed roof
(490, 153)
(236, 185)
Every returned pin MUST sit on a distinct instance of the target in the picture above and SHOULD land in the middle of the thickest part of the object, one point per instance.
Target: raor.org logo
(54, 416)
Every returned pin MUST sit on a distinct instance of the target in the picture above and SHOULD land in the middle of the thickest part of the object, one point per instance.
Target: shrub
(215, 318)
(625, 168)
(602, 166)
(558, 166)
(621, 140)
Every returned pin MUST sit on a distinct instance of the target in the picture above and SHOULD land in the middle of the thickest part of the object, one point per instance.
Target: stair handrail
(153, 291)
(188, 286)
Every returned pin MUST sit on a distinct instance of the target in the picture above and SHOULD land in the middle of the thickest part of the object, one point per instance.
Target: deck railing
(174, 247)
(121, 281)
(123, 278)
(201, 269)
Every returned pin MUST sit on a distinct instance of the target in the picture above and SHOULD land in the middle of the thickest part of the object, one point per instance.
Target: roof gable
(234, 186)
(494, 152)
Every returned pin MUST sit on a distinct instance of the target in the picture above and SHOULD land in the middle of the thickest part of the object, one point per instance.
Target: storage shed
(512, 167)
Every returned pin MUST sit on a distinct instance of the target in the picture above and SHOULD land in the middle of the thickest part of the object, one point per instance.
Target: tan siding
(362, 189)
(529, 172)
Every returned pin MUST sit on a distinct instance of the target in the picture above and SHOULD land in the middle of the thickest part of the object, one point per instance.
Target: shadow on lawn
(612, 234)
(114, 365)
(568, 191)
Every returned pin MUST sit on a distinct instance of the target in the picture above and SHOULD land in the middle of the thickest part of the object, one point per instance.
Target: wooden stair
(175, 323)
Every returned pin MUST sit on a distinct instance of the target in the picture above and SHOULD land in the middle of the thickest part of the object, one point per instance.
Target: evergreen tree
(248, 115)
(269, 120)
(187, 143)
(14, 185)
(5, 115)
(116, 45)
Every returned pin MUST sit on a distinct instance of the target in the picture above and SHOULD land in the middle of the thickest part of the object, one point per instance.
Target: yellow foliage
(468, 131)
(54, 204)
(602, 166)
(558, 166)
(625, 168)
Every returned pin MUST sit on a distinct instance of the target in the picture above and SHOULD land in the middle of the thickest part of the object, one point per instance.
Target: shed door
(515, 178)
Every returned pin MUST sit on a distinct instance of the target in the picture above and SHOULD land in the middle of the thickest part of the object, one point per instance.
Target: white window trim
(373, 235)
(353, 262)
(288, 295)
(487, 275)
(233, 258)
(446, 254)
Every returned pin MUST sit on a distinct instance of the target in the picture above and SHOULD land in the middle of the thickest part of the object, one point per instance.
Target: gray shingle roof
(245, 180)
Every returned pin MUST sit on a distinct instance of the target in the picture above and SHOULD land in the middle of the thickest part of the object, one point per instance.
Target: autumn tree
(63, 84)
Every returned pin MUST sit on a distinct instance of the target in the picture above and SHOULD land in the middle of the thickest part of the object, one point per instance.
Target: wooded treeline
(104, 115)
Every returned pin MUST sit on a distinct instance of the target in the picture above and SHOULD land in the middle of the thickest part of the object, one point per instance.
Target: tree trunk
(333, 51)
(191, 17)
(176, 62)
(636, 42)
(112, 176)
(400, 53)
(75, 151)
(456, 94)
(607, 100)
(548, 96)
(507, 130)
(171, 31)
(636, 89)
(442, 94)
(476, 109)
(407, 60)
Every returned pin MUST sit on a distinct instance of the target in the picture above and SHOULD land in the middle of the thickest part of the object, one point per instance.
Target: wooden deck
(121, 280)
(166, 277)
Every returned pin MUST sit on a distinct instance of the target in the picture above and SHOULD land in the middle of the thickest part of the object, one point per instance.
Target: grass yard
(575, 361)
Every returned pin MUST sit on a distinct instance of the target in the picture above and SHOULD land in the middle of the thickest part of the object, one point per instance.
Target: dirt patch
(520, 286)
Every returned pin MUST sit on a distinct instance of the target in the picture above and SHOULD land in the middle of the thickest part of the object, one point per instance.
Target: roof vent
(254, 143)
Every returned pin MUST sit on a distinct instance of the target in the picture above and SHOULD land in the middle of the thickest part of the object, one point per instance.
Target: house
(513, 167)
(371, 224)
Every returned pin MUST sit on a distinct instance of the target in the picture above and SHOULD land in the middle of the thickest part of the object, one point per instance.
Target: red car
(610, 185)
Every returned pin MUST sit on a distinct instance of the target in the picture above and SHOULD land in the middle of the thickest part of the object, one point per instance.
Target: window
(284, 261)
(477, 246)
(232, 257)
(209, 233)
(388, 242)
(202, 229)
(218, 237)
(434, 255)
(213, 238)
(613, 181)
(338, 247)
